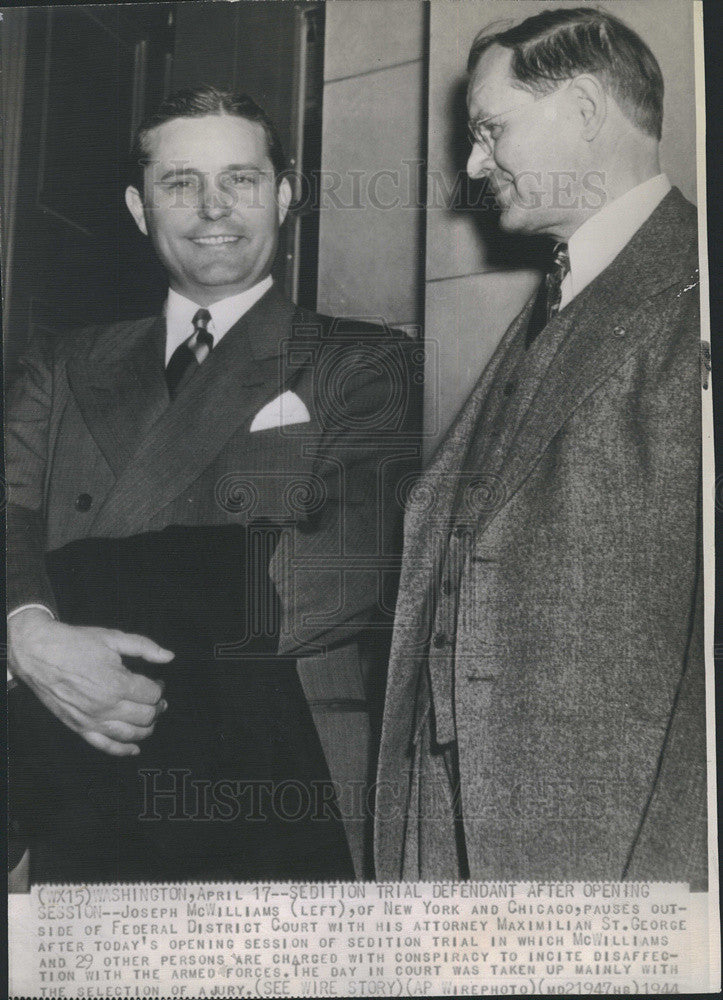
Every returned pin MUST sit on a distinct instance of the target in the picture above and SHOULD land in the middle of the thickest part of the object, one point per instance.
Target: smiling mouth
(213, 241)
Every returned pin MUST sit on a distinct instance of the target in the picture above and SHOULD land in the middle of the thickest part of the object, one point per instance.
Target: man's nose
(215, 201)
(480, 161)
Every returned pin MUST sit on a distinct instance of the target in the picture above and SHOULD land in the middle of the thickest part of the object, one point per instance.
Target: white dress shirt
(600, 239)
(179, 312)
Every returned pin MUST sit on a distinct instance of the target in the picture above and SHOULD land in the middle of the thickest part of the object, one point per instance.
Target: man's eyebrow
(481, 115)
(487, 116)
(182, 171)
(245, 166)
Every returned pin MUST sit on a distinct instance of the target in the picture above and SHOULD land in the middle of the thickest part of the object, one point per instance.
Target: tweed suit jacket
(95, 450)
(577, 665)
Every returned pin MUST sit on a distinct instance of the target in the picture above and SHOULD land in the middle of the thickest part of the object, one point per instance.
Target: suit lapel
(242, 374)
(582, 347)
(120, 388)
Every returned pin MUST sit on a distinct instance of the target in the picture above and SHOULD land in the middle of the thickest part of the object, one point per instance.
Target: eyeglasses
(485, 131)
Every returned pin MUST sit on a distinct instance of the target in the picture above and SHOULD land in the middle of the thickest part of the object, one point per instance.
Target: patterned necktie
(554, 279)
(547, 303)
(195, 350)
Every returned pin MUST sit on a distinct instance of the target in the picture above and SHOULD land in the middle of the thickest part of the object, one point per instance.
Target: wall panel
(372, 214)
(371, 257)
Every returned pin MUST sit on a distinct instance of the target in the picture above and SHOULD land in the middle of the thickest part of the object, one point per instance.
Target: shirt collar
(225, 313)
(600, 239)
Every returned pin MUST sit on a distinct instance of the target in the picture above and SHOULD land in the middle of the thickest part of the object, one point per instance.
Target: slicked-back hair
(199, 102)
(558, 45)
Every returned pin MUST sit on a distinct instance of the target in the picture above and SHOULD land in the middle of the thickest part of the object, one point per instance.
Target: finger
(98, 702)
(110, 746)
(123, 732)
(142, 689)
(135, 713)
(130, 644)
(83, 725)
(114, 704)
(68, 712)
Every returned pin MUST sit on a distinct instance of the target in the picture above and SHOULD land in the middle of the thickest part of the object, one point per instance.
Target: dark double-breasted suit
(238, 549)
(549, 619)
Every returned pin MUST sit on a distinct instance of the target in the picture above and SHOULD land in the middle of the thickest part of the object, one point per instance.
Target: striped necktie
(195, 350)
(554, 279)
(549, 296)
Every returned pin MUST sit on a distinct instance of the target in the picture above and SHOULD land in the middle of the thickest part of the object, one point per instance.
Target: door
(90, 75)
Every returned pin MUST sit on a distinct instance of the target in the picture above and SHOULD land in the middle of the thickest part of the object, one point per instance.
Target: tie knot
(201, 320)
(193, 351)
(201, 340)
(561, 260)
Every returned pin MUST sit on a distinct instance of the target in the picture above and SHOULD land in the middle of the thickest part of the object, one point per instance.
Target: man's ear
(592, 104)
(284, 195)
(135, 207)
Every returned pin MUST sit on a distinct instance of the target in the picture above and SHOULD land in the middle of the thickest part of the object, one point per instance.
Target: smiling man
(213, 200)
(195, 501)
(545, 712)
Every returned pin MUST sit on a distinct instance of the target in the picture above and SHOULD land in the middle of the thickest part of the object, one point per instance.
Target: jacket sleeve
(27, 452)
(672, 843)
(672, 840)
(336, 572)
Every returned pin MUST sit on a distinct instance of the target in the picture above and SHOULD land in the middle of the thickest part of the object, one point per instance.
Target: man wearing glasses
(545, 713)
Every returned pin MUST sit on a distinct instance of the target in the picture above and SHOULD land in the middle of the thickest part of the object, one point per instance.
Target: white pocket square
(280, 412)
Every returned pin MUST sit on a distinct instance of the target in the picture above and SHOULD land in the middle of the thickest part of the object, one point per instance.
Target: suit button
(509, 388)
(83, 502)
(619, 331)
(439, 639)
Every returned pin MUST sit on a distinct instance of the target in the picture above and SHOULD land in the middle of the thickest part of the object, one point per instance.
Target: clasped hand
(78, 674)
